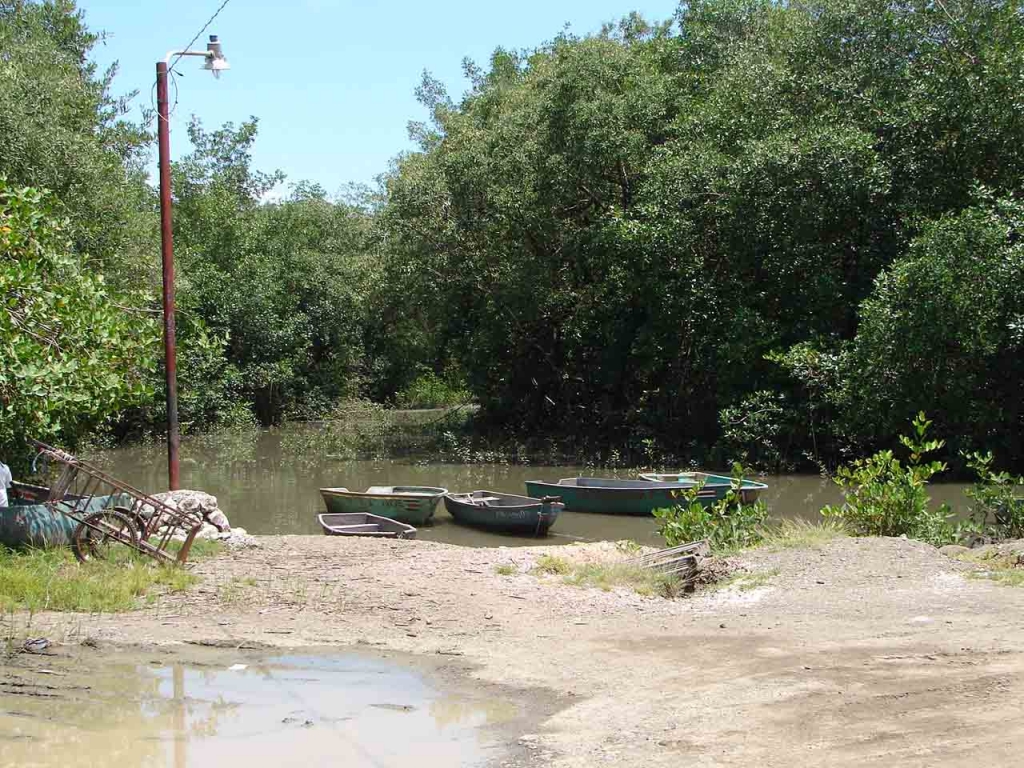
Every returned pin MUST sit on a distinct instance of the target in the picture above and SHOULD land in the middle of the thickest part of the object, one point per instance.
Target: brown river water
(268, 486)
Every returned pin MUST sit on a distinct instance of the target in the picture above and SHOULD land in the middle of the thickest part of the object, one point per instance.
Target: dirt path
(867, 651)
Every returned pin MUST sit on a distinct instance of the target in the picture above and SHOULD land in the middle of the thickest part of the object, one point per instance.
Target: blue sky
(330, 80)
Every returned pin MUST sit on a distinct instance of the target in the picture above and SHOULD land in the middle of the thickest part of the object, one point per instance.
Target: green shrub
(997, 506)
(429, 390)
(726, 524)
(885, 497)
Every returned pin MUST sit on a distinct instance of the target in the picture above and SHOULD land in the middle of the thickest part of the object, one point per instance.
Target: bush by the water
(886, 497)
(997, 505)
(728, 523)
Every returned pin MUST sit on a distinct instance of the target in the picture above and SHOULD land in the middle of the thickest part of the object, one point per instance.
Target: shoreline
(862, 649)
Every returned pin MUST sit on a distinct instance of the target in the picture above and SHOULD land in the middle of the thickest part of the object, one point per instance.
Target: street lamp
(214, 61)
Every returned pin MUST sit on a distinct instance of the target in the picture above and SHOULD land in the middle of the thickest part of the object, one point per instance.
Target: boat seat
(486, 499)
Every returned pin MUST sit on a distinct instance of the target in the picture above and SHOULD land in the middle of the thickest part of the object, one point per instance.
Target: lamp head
(214, 60)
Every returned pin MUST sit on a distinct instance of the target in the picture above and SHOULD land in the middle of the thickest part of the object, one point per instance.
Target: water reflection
(313, 710)
(268, 482)
(451, 711)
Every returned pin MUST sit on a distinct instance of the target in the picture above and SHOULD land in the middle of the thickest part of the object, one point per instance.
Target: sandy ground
(863, 652)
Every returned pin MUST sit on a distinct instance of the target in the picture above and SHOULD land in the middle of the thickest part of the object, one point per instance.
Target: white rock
(197, 503)
(237, 537)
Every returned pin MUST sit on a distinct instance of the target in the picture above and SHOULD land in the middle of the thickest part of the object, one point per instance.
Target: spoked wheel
(141, 524)
(99, 533)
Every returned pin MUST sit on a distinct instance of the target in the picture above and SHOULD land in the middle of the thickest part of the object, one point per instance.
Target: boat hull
(415, 509)
(362, 524)
(613, 497)
(503, 512)
(26, 522)
(750, 490)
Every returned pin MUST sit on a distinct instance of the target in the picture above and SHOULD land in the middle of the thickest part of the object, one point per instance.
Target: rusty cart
(108, 513)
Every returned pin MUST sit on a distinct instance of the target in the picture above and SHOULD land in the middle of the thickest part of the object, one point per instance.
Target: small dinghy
(504, 512)
(413, 504)
(364, 524)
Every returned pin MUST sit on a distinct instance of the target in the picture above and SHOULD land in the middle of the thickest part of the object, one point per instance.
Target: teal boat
(28, 522)
(412, 504)
(504, 512)
(613, 497)
(720, 484)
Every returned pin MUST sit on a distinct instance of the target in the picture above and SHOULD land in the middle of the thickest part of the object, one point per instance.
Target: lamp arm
(172, 54)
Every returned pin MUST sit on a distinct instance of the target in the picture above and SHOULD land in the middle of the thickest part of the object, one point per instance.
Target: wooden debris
(683, 560)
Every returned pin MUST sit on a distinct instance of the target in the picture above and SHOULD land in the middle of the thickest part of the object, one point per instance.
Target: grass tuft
(553, 565)
(506, 569)
(608, 576)
(745, 582)
(236, 589)
(1009, 578)
(802, 534)
(201, 548)
(52, 580)
(1000, 567)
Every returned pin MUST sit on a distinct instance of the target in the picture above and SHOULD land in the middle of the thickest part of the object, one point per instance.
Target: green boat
(28, 522)
(503, 512)
(613, 497)
(412, 504)
(720, 484)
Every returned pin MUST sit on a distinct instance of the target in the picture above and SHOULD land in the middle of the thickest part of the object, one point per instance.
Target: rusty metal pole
(167, 253)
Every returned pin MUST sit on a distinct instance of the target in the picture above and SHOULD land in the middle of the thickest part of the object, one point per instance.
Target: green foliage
(73, 357)
(998, 498)
(428, 390)
(280, 288)
(726, 523)
(61, 129)
(762, 231)
(621, 236)
(940, 332)
(884, 497)
(755, 430)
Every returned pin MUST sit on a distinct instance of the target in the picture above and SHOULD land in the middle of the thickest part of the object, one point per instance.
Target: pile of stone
(215, 522)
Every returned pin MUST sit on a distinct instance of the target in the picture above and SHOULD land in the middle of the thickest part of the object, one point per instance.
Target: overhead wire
(172, 75)
(200, 32)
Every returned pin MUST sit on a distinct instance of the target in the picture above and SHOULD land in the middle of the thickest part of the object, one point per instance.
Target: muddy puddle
(242, 708)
